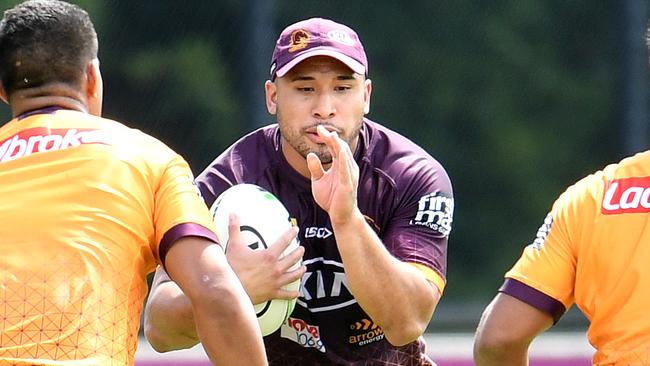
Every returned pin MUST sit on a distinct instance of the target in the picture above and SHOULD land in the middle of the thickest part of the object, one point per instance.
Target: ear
(367, 90)
(271, 97)
(3, 95)
(94, 88)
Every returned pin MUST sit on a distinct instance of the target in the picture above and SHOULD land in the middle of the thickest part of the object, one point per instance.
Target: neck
(63, 96)
(297, 161)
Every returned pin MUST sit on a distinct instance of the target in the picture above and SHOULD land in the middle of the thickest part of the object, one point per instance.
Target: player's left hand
(264, 272)
(335, 190)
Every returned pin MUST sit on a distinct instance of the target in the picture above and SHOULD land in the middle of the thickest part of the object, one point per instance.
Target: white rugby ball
(262, 219)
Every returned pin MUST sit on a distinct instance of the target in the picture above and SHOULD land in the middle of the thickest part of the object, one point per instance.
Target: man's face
(318, 91)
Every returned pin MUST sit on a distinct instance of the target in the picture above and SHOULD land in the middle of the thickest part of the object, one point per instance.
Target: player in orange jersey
(89, 207)
(592, 250)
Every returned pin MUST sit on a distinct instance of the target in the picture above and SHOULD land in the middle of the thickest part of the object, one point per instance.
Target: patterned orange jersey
(594, 250)
(88, 209)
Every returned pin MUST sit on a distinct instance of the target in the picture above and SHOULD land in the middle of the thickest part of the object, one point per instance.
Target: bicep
(510, 321)
(194, 263)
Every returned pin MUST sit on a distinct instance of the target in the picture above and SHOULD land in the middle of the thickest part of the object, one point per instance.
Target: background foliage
(517, 98)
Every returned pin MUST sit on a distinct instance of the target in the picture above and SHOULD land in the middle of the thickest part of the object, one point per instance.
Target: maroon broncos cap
(318, 37)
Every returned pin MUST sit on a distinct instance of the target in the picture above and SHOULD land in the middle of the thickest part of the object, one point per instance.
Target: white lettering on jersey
(327, 285)
(317, 232)
(633, 196)
(436, 212)
(36, 140)
(542, 232)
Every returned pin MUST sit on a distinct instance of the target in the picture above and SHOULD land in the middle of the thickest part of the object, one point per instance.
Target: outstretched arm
(378, 281)
(505, 332)
(224, 316)
(169, 320)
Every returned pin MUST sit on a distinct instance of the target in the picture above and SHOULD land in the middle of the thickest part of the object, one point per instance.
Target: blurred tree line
(516, 98)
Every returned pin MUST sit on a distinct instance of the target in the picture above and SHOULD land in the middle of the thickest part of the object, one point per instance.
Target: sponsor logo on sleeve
(364, 332)
(628, 195)
(436, 212)
(304, 334)
(41, 139)
(542, 232)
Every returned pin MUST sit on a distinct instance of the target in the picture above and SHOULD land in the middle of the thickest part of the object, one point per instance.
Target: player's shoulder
(132, 145)
(631, 167)
(136, 140)
(260, 140)
(637, 165)
(590, 190)
(397, 155)
(248, 156)
(256, 146)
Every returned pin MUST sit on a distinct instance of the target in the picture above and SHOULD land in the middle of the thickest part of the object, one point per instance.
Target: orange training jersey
(594, 250)
(87, 209)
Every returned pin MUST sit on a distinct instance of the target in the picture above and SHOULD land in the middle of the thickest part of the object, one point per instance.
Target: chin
(325, 159)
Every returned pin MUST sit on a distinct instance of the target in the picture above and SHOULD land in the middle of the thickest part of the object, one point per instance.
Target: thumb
(315, 166)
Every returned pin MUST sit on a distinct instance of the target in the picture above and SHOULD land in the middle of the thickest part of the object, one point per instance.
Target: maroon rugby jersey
(405, 195)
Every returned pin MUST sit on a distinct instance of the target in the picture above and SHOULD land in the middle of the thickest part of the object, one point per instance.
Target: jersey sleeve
(179, 210)
(212, 182)
(544, 276)
(419, 227)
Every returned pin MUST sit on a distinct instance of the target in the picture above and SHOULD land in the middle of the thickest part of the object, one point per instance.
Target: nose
(324, 106)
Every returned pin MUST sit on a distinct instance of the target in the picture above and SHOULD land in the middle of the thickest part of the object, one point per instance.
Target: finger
(286, 294)
(283, 242)
(330, 140)
(234, 231)
(315, 167)
(348, 168)
(288, 278)
(345, 158)
(292, 258)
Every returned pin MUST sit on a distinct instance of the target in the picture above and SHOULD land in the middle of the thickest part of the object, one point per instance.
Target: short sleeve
(179, 209)
(548, 264)
(419, 227)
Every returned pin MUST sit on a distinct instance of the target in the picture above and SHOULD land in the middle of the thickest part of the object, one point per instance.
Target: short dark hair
(45, 41)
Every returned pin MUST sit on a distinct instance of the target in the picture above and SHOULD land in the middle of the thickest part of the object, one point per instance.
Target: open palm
(335, 190)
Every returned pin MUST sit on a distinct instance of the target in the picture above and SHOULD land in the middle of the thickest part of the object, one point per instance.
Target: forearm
(233, 337)
(224, 316)
(501, 356)
(169, 319)
(374, 274)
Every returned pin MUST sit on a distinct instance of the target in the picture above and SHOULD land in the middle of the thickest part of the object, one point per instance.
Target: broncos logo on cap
(299, 40)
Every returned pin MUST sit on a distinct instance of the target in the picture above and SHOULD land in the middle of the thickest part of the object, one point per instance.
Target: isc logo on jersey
(41, 139)
(435, 211)
(628, 195)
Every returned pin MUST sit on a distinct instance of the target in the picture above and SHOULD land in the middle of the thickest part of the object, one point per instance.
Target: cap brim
(353, 64)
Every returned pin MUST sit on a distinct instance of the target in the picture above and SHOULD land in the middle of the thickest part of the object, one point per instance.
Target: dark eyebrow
(309, 78)
(301, 78)
(345, 77)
